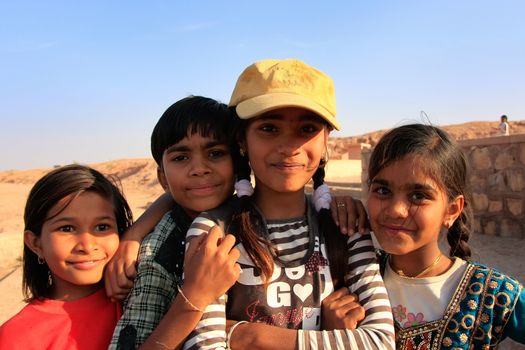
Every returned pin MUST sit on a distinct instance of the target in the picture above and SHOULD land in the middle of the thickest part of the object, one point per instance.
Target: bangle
(229, 336)
(187, 301)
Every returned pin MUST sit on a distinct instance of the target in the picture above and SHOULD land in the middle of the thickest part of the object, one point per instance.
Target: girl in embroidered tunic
(289, 266)
(417, 180)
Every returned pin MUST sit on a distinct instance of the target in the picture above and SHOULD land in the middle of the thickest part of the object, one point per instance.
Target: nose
(199, 167)
(288, 147)
(397, 208)
(86, 242)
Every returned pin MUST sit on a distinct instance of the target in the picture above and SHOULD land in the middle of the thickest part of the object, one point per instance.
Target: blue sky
(86, 81)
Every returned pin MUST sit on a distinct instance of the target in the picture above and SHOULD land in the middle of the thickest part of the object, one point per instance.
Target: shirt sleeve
(149, 300)
(210, 332)
(376, 330)
(516, 324)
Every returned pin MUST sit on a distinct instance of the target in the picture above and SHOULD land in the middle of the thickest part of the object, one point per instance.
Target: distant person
(418, 191)
(504, 127)
(73, 219)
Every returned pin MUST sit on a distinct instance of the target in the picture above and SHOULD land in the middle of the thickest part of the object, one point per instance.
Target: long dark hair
(65, 182)
(444, 162)
(249, 222)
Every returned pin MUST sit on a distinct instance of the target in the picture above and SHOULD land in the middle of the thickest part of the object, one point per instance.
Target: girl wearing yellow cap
(292, 258)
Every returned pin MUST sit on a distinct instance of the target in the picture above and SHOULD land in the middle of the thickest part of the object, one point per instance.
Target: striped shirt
(295, 246)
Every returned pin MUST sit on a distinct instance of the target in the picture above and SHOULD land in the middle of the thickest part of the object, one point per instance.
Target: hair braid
(334, 240)
(459, 234)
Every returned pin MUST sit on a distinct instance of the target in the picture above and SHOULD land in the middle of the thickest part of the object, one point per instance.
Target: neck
(70, 292)
(280, 205)
(419, 264)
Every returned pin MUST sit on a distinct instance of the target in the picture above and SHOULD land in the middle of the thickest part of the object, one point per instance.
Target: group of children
(267, 267)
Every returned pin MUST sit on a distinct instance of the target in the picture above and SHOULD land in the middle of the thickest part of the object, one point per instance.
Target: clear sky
(86, 81)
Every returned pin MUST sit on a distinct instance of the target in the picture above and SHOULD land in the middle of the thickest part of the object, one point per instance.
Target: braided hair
(248, 221)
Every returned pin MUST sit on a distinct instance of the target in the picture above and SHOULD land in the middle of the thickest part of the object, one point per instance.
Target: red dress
(86, 323)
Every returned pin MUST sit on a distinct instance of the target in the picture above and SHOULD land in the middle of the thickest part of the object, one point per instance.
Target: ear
(455, 207)
(162, 179)
(33, 242)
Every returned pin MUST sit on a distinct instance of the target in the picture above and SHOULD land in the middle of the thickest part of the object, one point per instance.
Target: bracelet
(229, 336)
(187, 301)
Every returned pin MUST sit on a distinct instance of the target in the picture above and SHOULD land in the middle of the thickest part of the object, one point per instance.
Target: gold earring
(41, 260)
(242, 152)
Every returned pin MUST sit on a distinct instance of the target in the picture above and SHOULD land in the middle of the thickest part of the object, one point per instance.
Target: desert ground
(138, 179)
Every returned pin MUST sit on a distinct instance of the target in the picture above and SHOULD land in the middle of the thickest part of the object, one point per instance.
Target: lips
(86, 264)
(396, 229)
(288, 166)
(204, 189)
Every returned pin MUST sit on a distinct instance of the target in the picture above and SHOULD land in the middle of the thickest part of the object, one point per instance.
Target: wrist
(235, 327)
(196, 296)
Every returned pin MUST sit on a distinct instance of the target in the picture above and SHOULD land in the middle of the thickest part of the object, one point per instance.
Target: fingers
(349, 214)
(193, 246)
(341, 292)
(116, 282)
(362, 224)
(130, 270)
(356, 312)
(343, 303)
(344, 213)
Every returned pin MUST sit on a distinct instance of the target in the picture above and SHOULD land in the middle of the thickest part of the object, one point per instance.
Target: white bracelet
(187, 301)
(228, 337)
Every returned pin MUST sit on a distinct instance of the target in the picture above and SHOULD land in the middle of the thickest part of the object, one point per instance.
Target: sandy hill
(466, 131)
(141, 173)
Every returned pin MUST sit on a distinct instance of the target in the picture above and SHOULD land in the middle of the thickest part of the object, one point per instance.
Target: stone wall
(497, 179)
(497, 170)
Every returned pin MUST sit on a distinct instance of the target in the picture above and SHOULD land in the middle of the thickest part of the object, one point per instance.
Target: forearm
(262, 336)
(364, 280)
(149, 300)
(175, 326)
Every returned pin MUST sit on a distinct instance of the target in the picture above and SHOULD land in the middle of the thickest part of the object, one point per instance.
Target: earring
(242, 152)
(49, 278)
(41, 260)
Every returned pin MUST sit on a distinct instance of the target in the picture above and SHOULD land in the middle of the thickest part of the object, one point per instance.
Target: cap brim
(258, 105)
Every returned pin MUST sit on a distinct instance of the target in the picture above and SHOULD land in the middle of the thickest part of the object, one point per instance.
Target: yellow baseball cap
(271, 84)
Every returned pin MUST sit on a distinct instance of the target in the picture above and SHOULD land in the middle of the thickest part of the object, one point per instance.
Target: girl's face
(407, 209)
(77, 243)
(285, 147)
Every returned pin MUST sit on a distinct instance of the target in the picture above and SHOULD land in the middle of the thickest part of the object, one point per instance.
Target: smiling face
(285, 147)
(407, 209)
(77, 243)
(198, 173)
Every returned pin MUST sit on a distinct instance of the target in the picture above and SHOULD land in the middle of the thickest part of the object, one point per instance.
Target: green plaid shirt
(160, 266)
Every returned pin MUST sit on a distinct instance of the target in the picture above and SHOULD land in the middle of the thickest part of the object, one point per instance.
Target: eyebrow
(412, 186)
(184, 148)
(306, 116)
(70, 219)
